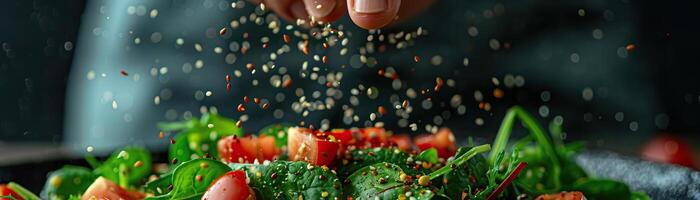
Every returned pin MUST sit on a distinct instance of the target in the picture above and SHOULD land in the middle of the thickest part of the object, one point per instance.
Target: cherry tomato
(402, 141)
(5, 191)
(230, 186)
(668, 149)
(103, 188)
(443, 141)
(313, 147)
(247, 149)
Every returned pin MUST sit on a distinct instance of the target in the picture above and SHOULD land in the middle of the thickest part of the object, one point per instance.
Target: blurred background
(620, 75)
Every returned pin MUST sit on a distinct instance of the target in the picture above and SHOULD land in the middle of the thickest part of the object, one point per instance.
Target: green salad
(211, 158)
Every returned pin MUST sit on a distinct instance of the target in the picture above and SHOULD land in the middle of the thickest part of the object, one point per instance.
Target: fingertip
(325, 10)
(373, 14)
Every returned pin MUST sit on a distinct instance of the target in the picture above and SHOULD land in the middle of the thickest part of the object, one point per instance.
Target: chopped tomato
(313, 147)
(402, 141)
(562, 196)
(668, 149)
(374, 137)
(443, 141)
(361, 138)
(6, 191)
(247, 149)
(230, 186)
(103, 188)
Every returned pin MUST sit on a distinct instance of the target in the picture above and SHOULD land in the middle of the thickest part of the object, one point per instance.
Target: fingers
(373, 14)
(289, 10)
(325, 10)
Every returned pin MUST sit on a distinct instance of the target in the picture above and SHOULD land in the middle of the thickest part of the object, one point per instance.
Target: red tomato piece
(103, 188)
(562, 196)
(374, 137)
(247, 149)
(668, 149)
(402, 141)
(230, 186)
(443, 141)
(313, 147)
(5, 191)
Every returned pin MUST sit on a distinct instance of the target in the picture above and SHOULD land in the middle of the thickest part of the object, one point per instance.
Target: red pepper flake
(246, 99)
(256, 100)
(124, 73)
(172, 141)
(239, 123)
(250, 66)
(266, 106)
(305, 50)
(498, 93)
(138, 164)
(285, 38)
(329, 84)
(438, 84)
(241, 108)
(287, 83)
(325, 45)
(228, 87)
(381, 110)
(228, 78)
(324, 59)
(273, 176)
(264, 45)
(198, 178)
(174, 161)
(380, 72)
(404, 104)
(160, 135)
(630, 47)
(244, 50)
(416, 58)
(222, 31)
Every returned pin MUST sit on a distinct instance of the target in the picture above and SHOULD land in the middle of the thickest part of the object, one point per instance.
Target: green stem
(535, 130)
(123, 179)
(460, 160)
(22, 192)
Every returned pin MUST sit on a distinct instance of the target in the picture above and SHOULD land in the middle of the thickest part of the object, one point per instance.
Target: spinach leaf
(364, 157)
(198, 138)
(429, 155)
(159, 186)
(291, 180)
(602, 189)
(220, 126)
(384, 181)
(22, 192)
(128, 166)
(278, 131)
(67, 181)
(192, 178)
(466, 178)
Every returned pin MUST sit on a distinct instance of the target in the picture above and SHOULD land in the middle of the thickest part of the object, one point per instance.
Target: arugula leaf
(159, 186)
(192, 178)
(291, 180)
(602, 189)
(23, 192)
(365, 157)
(384, 181)
(429, 155)
(67, 181)
(278, 131)
(466, 178)
(128, 166)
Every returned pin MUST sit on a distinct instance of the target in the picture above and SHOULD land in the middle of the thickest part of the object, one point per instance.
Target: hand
(368, 14)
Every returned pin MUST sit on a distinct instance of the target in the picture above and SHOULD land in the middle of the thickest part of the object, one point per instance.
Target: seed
(160, 135)
(325, 45)
(240, 108)
(264, 45)
(321, 177)
(285, 37)
(305, 50)
(273, 176)
(204, 165)
(416, 58)
(239, 123)
(244, 50)
(381, 110)
(287, 83)
(174, 161)
(256, 100)
(498, 93)
(266, 106)
(438, 84)
(246, 99)
(424, 180)
(124, 73)
(380, 72)
(324, 59)
(324, 194)
(228, 87)
(250, 66)
(382, 180)
(245, 35)
(222, 31)
(228, 78)
(138, 164)
(170, 187)
(404, 104)
(172, 141)
(199, 178)
(630, 47)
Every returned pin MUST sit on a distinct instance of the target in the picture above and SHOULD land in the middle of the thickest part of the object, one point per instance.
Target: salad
(211, 158)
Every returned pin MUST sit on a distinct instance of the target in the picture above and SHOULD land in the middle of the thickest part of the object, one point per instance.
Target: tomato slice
(6, 191)
(402, 141)
(247, 149)
(443, 141)
(313, 147)
(103, 188)
(230, 186)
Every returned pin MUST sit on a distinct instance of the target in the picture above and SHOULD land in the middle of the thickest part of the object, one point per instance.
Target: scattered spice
(324, 59)
(198, 178)
(325, 45)
(404, 104)
(228, 78)
(124, 73)
(285, 38)
(241, 108)
(172, 141)
(160, 135)
(305, 50)
(266, 106)
(138, 164)
(498, 93)
(630, 47)
(381, 110)
(228, 87)
(256, 100)
(246, 99)
(239, 123)
(287, 83)
(416, 58)
(222, 31)
(250, 66)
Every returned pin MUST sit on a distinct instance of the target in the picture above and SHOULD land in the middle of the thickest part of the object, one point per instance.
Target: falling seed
(285, 38)
(124, 73)
(244, 50)
(204, 165)
(325, 45)
(325, 59)
(264, 45)
(228, 87)
(138, 164)
(246, 99)
(172, 141)
(250, 66)
(160, 135)
(416, 58)
(198, 178)
(241, 108)
(438, 84)
(498, 93)
(266, 106)
(256, 100)
(404, 104)
(305, 50)
(174, 161)
(245, 35)
(382, 110)
(228, 78)
(239, 123)
(630, 47)
(222, 31)
(287, 83)
(380, 72)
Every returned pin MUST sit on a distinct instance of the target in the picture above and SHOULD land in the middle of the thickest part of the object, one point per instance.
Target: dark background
(35, 63)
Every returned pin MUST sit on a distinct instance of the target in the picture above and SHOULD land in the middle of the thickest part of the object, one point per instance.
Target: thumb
(373, 14)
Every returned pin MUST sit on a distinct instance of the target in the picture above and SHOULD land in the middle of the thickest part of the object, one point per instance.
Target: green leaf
(186, 185)
(23, 192)
(602, 189)
(177, 126)
(121, 166)
(220, 126)
(10, 197)
(639, 196)
(199, 137)
(292, 180)
(429, 155)
(159, 186)
(366, 157)
(468, 177)
(67, 181)
(383, 181)
(278, 131)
